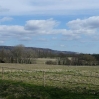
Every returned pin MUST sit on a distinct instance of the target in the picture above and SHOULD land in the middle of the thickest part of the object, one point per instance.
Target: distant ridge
(40, 49)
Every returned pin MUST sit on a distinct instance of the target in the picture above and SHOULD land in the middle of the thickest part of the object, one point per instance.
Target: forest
(22, 54)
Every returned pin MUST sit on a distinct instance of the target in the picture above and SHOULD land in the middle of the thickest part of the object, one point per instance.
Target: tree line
(76, 59)
(17, 55)
(20, 54)
(79, 60)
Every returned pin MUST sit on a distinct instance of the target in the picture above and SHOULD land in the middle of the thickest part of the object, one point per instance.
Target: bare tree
(18, 52)
(31, 56)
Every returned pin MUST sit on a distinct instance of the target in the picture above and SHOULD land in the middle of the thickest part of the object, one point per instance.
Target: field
(52, 75)
(75, 78)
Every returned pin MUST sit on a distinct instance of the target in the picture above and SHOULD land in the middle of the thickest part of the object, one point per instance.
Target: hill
(40, 49)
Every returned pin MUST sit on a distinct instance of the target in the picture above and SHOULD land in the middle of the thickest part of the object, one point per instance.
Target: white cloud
(32, 7)
(70, 37)
(1, 42)
(11, 29)
(62, 45)
(25, 39)
(26, 32)
(54, 38)
(42, 40)
(87, 27)
(6, 19)
(89, 23)
(40, 24)
(3, 10)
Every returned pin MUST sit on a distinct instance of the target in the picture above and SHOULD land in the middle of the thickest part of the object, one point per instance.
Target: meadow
(76, 79)
(52, 75)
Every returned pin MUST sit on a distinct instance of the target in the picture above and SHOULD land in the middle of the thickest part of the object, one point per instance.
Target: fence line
(44, 78)
(48, 78)
(2, 72)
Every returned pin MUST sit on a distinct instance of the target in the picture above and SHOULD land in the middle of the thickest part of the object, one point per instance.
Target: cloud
(70, 37)
(62, 45)
(3, 10)
(78, 29)
(42, 40)
(11, 31)
(86, 26)
(89, 23)
(40, 24)
(52, 7)
(26, 32)
(1, 42)
(54, 38)
(25, 39)
(6, 19)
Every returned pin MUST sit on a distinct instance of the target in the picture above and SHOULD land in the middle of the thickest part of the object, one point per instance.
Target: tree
(2, 55)
(18, 53)
(31, 56)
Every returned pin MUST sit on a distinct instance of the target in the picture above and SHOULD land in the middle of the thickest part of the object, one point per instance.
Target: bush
(49, 62)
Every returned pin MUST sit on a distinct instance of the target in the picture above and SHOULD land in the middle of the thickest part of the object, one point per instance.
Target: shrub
(49, 62)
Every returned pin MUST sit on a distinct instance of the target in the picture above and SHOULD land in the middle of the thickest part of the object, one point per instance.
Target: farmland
(53, 74)
(73, 78)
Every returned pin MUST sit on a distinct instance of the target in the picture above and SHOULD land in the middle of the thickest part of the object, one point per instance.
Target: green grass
(61, 82)
(55, 75)
(20, 90)
(51, 67)
(43, 60)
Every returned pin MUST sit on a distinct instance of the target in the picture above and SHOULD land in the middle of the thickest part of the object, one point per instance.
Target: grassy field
(83, 79)
(55, 73)
(20, 90)
(43, 60)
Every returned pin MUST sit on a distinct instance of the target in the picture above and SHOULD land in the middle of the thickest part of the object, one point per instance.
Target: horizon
(46, 49)
(61, 25)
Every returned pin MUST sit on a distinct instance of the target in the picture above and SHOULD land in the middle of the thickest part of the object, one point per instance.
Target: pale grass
(54, 74)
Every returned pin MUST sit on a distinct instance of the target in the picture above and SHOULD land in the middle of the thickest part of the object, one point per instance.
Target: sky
(65, 25)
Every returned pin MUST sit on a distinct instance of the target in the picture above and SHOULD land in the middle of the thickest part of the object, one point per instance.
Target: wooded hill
(28, 55)
(38, 49)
